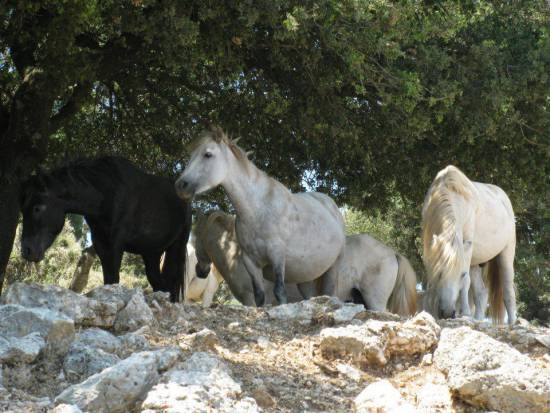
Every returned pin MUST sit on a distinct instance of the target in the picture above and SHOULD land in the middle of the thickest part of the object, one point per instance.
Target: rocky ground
(118, 350)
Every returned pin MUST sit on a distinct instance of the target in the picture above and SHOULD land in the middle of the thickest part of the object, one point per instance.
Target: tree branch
(81, 93)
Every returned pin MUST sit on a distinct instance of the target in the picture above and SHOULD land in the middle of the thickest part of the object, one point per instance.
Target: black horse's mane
(102, 174)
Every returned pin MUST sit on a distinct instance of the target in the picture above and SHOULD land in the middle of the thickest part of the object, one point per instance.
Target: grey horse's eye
(208, 154)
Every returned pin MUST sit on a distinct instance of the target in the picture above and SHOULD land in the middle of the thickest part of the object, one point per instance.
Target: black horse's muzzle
(202, 272)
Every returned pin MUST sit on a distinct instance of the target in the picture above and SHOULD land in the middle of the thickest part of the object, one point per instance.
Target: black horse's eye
(208, 154)
(38, 209)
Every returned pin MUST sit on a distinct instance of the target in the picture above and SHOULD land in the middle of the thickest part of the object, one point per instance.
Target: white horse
(466, 224)
(294, 237)
(216, 243)
(197, 288)
(385, 279)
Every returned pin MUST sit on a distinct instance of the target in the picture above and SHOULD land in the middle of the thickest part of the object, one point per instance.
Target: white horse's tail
(403, 297)
(496, 292)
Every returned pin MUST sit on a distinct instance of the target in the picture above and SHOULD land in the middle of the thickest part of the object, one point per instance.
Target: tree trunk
(9, 214)
(82, 271)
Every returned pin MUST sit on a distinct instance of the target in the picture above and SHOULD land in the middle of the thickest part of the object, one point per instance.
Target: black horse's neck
(83, 187)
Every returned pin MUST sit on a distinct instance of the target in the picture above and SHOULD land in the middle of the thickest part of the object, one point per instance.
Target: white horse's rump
(465, 224)
(384, 278)
(217, 249)
(294, 237)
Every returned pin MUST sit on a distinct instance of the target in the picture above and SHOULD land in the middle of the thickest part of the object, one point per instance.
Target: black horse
(126, 210)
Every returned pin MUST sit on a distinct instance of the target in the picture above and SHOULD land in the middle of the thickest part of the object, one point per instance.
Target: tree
(364, 100)
(54, 55)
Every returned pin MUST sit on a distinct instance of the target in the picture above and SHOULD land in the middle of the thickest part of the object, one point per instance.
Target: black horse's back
(126, 209)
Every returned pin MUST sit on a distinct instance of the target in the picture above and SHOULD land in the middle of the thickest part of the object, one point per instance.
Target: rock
(415, 336)
(135, 341)
(65, 408)
(434, 398)
(305, 311)
(167, 357)
(79, 308)
(543, 339)
(489, 374)
(56, 329)
(427, 360)
(204, 339)
(374, 342)
(347, 312)
(201, 384)
(381, 397)
(116, 294)
(21, 350)
(117, 388)
(349, 371)
(134, 315)
(158, 299)
(100, 339)
(263, 398)
(263, 342)
(83, 361)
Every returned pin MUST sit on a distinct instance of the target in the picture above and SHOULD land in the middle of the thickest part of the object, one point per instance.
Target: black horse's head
(43, 217)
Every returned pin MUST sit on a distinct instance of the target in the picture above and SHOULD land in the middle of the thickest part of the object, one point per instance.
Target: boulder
(490, 374)
(135, 314)
(79, 308)
(434, 397)
(134, 341)
(100, 339)
(21, 350)
(65, 408)
(201, 384)
(308, 310)
(374, 341)
(116, 294)
(118, 388)
(347, 312)
(83, 361)
(382, 397)
(56, 329)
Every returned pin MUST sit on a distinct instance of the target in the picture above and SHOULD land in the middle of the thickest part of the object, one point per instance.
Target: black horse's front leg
(152, 270)
(110, 263)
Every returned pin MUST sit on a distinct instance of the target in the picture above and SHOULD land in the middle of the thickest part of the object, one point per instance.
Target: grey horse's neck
(247, 186)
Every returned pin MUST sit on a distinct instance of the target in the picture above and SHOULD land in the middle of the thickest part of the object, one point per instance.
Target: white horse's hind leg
(505, 261)
(308, 289)
(257, 278)
(280, 289)
(464, 299)
(480, 292)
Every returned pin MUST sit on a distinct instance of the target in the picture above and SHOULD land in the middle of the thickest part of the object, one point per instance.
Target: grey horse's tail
(403, 297)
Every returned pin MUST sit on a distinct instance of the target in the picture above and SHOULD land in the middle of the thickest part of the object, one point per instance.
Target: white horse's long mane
(442, 247)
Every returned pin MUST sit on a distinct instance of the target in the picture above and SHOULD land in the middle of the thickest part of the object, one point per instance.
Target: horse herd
(279, 246)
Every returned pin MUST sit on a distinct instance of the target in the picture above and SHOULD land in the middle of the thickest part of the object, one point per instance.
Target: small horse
(466, 224)
(384, 278)
(295, 237)
(216, 243)
(196, 288)
(126, 210)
